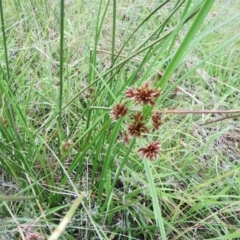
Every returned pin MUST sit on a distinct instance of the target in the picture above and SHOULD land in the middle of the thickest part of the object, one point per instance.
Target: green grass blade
(4, 41)
(108, 161)
(61, 76)
(180, 53)
(113, 30)
(155, 199)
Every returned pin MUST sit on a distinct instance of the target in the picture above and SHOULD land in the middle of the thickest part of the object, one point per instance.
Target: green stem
(9, 107)
(113, 30)
(155, 199)
(61, 76)
(4, 40)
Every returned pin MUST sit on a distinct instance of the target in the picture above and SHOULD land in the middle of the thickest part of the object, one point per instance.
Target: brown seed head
(137, 127)
(150, 151)
(144, 95)
(157, 120)
(119, 110)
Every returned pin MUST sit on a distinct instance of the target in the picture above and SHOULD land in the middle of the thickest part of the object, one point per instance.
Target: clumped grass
(74, 75)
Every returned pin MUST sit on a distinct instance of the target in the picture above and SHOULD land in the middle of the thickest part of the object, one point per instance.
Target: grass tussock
(104, 128)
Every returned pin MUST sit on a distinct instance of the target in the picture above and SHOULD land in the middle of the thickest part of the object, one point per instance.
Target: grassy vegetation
(65, 158)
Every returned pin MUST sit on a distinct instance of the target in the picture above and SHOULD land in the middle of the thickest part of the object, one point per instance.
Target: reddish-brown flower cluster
(156, 120)
(150, 151)
(137, 127)
(144, 95)
(119, 110)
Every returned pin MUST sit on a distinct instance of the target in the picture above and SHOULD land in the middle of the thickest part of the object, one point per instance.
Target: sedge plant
(110, 120)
